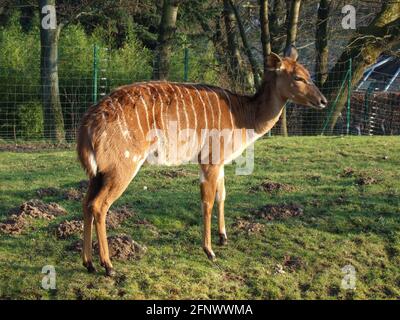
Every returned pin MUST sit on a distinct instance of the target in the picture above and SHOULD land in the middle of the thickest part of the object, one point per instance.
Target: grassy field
(349, 189)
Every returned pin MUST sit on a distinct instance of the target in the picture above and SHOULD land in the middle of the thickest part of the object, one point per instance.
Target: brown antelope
(114, 138)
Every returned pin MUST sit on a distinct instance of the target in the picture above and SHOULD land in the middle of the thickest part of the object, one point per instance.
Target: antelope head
(293, 80)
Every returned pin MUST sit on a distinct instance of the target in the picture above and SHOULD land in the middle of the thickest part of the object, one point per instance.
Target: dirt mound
(67, 228)
(365, 181)
(73, 194)
(32, 209)
(69, 194)
(117, 216)
(269, 186)
(113, 220)
(248, 226)
(347, 172)
(38, 209)
(83, 185)
(47, 192)
(121, 247)
(175, 173)
(272, 212)
(292, 263)
(13, 225)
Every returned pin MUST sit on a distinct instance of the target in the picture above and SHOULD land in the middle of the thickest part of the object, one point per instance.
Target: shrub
(30, 120)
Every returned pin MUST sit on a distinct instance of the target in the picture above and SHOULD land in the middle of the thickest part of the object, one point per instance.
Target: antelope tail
(85, 150)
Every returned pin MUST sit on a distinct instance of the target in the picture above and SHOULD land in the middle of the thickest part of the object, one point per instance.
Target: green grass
(343, 224)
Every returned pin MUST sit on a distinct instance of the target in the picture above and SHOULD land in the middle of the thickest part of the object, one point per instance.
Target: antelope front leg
(208, 186)
(220, 197)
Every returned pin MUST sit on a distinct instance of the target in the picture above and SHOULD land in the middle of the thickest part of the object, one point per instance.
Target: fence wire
(86, 74)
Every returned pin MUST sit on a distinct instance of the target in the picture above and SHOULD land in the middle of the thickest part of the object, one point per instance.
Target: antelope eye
(296, 78)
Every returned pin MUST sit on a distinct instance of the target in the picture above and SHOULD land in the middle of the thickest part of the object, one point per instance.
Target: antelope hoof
(210, 254)
(110, 272)
(223, 240)
(90, 267)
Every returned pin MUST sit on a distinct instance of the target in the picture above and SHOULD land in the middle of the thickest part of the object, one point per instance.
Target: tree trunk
(310, 121)
(364, 49)
(265, 34)
(52, 111)
(235, 63)
(253, 62)
(290, 40)
(165, 36)
(277, 25)
(321, 43)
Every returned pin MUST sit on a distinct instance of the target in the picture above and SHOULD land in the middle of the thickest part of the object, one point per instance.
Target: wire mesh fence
(86, 74)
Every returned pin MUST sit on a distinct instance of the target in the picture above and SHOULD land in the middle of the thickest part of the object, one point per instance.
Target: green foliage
(30, 120)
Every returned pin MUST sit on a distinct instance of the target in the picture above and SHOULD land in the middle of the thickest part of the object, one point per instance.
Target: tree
(380, 35)
(235, 62)
(277, 26)
(49, 35)
(253, 62)
(321, 43)
(290, 40)
(166, 33)
(265, 34)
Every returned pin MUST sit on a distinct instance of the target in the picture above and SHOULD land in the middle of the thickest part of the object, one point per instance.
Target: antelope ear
(291, 52)
(274, 62)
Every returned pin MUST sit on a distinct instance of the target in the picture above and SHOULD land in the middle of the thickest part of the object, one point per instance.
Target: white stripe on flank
(126, 130)
(211, 107)
(230, 106)
(219, 108)
(177, 107)
(144, 105)
(152, 107)
(192, 105)
(205, 117)
(155, 87)
(184, 106)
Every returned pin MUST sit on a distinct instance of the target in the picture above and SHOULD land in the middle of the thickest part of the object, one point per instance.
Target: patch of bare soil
(32, 209)
(47, 192)
(113, 220)
(248, 226)
(34, 147)
(269, 186)
(121, 247)
(292, 263)
(73, 194)
(272, 212)
(347, 172)
(175, 173)
(67, 228)
(365, 181)
(69, 194)
(117, 216)
(83, 185)
(13, 225)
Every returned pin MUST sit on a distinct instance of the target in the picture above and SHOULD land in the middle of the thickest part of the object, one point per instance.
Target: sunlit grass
(343, 224)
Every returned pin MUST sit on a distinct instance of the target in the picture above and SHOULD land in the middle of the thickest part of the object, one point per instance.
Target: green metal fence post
(95, 72)
(349, 97)
(186, 65)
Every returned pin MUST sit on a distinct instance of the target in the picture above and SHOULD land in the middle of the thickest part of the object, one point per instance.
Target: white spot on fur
(126, 154)
(202, 177)
(92, 163)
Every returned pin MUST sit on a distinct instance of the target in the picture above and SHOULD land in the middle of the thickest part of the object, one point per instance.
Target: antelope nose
(323, 102)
